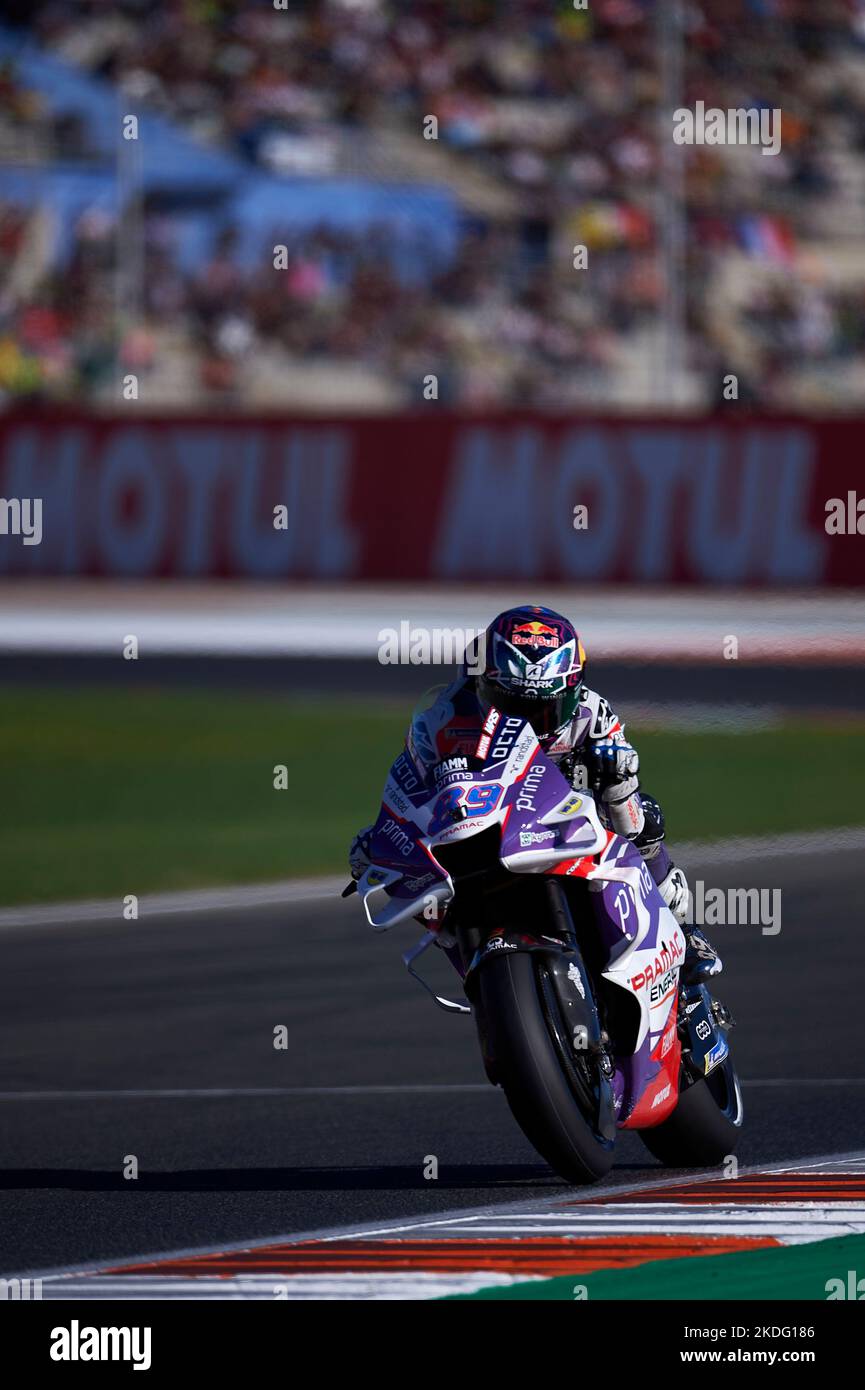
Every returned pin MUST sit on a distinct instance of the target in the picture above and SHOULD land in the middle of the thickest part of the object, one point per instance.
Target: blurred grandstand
(304, 127)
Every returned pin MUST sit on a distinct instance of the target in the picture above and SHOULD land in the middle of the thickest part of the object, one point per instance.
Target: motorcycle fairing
(490, 790)
(645, 948)
(546, 828)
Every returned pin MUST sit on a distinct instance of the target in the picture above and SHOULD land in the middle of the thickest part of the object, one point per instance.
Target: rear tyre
(546, 1092)
(705, 1126)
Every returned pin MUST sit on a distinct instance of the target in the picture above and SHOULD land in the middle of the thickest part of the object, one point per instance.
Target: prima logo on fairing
(77, 1343)
(403, 842)
(526, 798)
(449, 767)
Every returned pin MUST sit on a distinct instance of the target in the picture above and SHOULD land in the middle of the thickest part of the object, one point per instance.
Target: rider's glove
(676, 894)
(358, 856)
(612, 761)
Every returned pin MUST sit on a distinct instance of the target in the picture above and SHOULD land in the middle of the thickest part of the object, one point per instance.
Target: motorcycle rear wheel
(705, 1126)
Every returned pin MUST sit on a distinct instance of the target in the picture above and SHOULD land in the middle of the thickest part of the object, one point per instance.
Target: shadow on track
(483, 1177)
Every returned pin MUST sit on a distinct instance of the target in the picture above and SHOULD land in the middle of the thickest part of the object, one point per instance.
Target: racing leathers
(593, 752)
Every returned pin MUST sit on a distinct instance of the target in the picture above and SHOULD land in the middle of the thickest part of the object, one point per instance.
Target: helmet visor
(546, 713)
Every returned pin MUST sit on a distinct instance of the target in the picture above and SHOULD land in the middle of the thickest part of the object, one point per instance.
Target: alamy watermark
(432, 646)
(77, 1343)
(852, 1288)
(735, 907)
(738, 125)
(845, 516)
(22, 516)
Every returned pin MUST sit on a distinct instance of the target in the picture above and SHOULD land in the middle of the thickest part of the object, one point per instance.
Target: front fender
(566, 970)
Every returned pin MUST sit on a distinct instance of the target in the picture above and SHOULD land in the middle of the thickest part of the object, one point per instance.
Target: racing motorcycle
(569, 957)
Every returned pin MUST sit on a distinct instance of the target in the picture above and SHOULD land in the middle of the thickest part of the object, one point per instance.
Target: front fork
(568, 977)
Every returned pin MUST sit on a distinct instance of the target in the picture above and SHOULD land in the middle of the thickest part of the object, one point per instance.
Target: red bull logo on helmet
(535, 635)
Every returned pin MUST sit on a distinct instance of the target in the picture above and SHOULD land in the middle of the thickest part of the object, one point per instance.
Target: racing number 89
(481, 800)
(477, 801)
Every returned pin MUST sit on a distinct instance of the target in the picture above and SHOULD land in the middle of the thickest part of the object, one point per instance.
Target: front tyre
(705, 1126)
(552, 1094)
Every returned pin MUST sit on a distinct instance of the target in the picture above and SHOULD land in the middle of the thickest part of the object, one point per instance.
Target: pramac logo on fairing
(663, 962)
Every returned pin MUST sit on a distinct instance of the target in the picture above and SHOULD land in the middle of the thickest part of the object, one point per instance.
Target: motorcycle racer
(530, 662)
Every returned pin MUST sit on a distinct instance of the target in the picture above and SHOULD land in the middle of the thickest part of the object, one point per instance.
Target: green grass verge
(786, 1272)
(108, 791)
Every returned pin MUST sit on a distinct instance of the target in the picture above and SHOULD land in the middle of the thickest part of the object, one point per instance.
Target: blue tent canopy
(211, 188)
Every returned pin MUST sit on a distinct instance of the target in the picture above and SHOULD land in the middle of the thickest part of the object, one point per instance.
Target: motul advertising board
(433, 497)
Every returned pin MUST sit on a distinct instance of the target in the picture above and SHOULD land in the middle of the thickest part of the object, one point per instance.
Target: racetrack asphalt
(335, 1128)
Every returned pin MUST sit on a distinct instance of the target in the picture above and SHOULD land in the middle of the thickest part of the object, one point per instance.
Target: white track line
(791, 844)
(241, 898)
(109, 911)
(797, 1223)
(787, 1223)
(372, 1285)
(633, 621)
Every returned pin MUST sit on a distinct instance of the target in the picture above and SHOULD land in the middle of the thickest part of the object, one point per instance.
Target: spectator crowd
(557, 106)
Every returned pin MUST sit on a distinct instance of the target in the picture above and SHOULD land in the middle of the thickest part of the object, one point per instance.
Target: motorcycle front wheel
(557, 1094)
